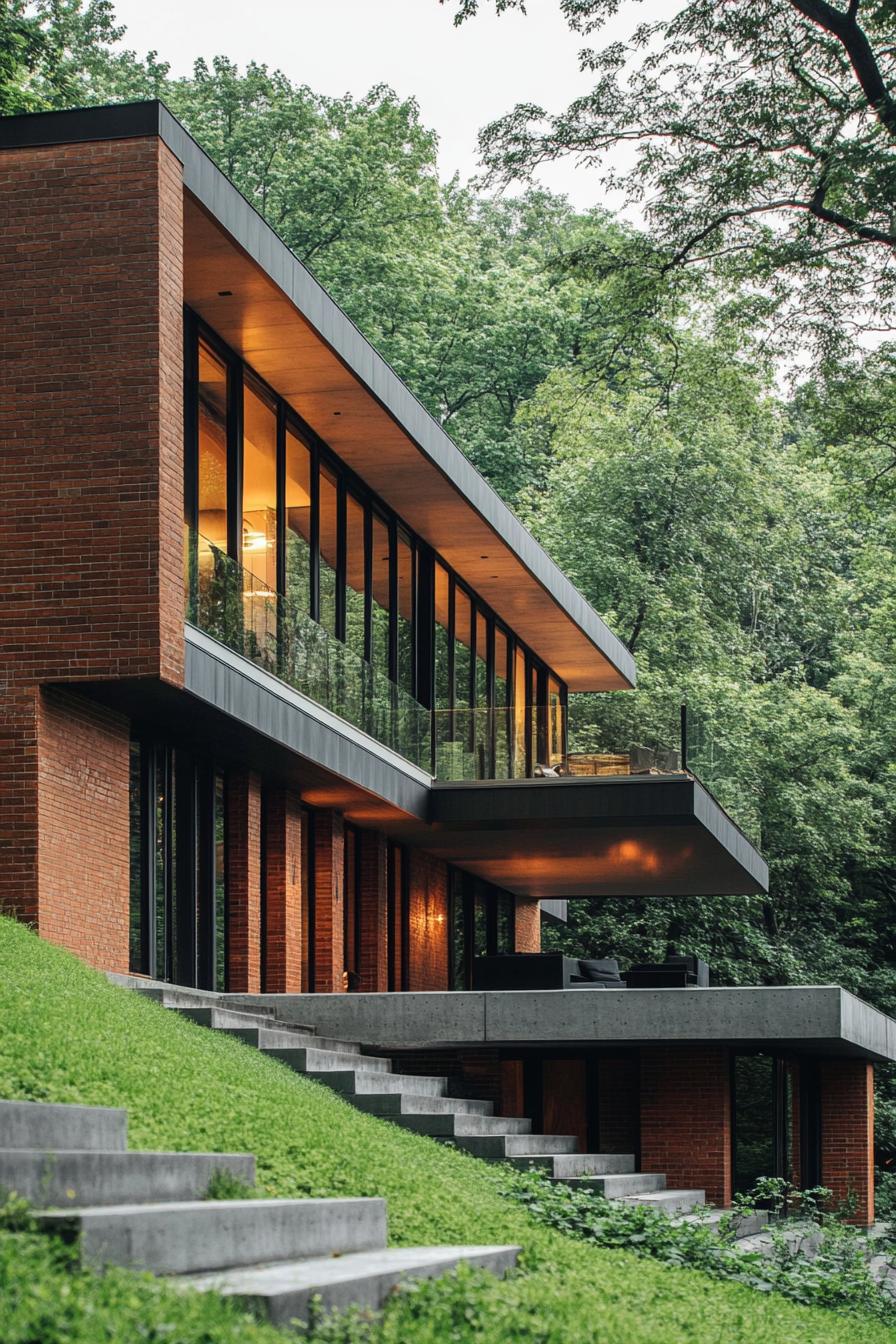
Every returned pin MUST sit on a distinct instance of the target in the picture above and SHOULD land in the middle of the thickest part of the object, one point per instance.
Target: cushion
(606, 969)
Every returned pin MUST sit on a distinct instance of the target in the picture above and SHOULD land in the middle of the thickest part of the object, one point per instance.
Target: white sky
(462, 77)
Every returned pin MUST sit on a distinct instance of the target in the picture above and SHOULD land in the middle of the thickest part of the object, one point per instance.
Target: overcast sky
(461, 77)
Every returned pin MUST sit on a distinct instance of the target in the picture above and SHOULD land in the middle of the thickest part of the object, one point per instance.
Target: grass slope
(67, 1035)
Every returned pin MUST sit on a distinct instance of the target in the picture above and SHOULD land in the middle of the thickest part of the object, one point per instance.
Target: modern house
(284, 688)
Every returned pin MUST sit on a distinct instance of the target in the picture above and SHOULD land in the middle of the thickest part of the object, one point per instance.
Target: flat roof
(292, 332)
(813, 1019)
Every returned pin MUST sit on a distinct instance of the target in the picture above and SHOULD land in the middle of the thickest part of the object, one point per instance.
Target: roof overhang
(577, 837)
(244, 281)
(809, 1019)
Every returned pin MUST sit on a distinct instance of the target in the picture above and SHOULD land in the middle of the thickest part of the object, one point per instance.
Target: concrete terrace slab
(820, 1019)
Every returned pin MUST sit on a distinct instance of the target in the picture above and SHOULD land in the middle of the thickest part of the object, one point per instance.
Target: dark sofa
(544, 970)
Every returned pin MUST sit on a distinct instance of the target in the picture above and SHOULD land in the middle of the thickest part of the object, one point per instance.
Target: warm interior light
(256, 541)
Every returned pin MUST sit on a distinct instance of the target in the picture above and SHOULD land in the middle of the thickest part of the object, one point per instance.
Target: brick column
(374, 963)
(282, 932)
(329, 867)
(243, 882)
(91, 488)
(428, 921)
(846, 1089)
(527, 924)
(686, 1118)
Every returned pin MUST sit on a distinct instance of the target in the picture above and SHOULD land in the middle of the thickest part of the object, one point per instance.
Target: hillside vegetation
(66, 1035)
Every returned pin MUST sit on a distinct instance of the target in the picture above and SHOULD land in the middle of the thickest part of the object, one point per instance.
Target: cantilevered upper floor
(240, 521)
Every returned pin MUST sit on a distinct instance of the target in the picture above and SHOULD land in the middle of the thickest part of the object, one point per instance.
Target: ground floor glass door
(177, 866)
(763, 1106)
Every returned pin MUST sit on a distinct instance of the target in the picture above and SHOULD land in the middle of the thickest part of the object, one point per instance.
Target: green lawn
(67, 1035)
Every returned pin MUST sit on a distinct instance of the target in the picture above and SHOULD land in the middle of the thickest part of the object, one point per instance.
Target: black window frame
(423, 556)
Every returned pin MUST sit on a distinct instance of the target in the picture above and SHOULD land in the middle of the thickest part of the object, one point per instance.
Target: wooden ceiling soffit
(258, 321)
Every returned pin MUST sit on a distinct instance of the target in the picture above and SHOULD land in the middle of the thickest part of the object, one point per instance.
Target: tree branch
(855, 43)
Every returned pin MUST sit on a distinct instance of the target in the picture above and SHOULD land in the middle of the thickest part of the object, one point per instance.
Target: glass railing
(685, 739)
(238, 608)
(498, 742)
(712, 755)
(245, 613)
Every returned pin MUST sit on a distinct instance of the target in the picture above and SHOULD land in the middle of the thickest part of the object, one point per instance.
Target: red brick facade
(83, 761)
(847, 1134)
(428, 923)
(243, 882)
(374, 964)
(686, 1118)
(527, 925)
(282, 932)
(329, 866)
(91, 474)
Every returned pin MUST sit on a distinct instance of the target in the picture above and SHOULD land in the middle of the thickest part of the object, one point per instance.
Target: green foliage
(762, 141)
(67, 1035)
(45, 1297)
(835, 1276)
(224, 1185)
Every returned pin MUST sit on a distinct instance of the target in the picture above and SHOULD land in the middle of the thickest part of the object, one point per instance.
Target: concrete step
(39, 1124)
(365, 1082)
(445, 1124)
(220, 1018)
(568, 1166)
(670, 1201)
(71, 1179)
(326, 1061)
(498, 1146)
(199, 1236)
(284, 1292)
(264, 1038)
(617, 1186)
(743, 1225)
(403, 1103)
(177, 996)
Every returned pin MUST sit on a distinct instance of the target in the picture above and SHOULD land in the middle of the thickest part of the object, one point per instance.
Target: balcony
(500, 743)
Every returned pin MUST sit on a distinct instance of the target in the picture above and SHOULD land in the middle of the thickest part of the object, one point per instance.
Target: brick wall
(686, 1118)
(83, 825)
(243, 850)
(373, 975)
(428, 923)
(329, 869)
(91, 472)
(282, 930)
(846, 1089)
(528, 926)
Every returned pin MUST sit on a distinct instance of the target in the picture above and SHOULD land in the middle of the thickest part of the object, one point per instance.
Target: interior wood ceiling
(259, 321)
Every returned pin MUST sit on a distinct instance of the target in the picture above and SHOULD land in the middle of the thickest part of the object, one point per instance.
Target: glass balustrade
(243, 611)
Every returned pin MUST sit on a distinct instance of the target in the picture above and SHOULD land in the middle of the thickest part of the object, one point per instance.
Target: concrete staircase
(422, 1104)
(148, 1211)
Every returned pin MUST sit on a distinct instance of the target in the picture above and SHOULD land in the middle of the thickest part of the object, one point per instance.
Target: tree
(764, 135)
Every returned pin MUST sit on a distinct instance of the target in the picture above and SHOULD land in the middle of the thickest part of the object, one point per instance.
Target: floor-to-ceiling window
(178, 895)
(763, 1115)
(272, 514)
(481, 923)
